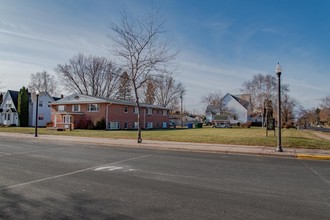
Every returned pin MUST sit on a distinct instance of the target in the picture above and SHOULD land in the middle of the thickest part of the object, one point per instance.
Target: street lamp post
(181, 97)
(36, 125)
(279, 116)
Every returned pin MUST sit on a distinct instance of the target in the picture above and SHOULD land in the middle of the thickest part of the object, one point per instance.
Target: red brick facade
(117, 116)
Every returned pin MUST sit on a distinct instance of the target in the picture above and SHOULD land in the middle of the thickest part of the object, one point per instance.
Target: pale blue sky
(221, 43)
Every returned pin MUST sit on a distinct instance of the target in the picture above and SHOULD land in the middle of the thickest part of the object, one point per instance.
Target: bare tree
(43, 82)
(325, 102)
(141, 51)
(90, 75)
(263, 87)
(168, 91)
(213, 99)
(288, 107)
(325, 110)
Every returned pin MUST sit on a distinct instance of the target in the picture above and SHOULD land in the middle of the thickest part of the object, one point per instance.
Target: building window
(41, 117)
(8, 104)
(164, 124)
(40, 103)
(113, 125)
(135, 110)
(49, 104)
(93, 107)
(76, 108)
(135, 125)
(61, 108)
(149, 125)
(149, 111)
(126, 125)
(164, 112)
(126, 109)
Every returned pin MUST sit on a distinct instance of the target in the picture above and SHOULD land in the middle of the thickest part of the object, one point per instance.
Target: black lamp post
(279, 116)
(36, 125)
(181, 97)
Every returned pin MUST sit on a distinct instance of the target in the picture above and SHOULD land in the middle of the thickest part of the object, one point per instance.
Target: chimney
(62, 96)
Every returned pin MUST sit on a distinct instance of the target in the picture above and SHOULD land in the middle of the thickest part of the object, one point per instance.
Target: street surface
(77, 181)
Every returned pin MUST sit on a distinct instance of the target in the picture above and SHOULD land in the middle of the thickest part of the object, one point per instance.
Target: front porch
(65, 121)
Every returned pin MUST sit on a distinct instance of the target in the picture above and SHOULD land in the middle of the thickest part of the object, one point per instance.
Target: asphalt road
(62, 181)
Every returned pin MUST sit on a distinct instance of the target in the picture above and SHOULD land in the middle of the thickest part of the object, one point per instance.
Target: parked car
(172, 125)
(222, 125)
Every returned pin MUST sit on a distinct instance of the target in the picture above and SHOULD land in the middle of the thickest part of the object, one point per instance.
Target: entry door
(67, 119)
(7, 120)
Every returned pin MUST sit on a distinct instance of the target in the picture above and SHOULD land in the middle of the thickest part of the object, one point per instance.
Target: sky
(221, 43)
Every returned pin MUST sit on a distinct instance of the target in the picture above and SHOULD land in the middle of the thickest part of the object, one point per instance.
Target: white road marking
(71, 173)
(112, 168)
(109, 168)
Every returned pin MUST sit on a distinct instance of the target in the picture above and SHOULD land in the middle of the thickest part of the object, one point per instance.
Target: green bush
(100, 124)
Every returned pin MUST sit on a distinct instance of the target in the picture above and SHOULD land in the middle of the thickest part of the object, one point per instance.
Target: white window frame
(165, 112)
(114, 125)
(73, 108)
(149, 125)
(89, 108)
(126, 109)
(135, 125)
(136, 110)
(9, 104)
(61, 108)
(149, 111)
(41, 103)
(164, 125)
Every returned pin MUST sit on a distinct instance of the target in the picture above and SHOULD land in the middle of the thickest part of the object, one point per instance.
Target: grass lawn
(236, 136)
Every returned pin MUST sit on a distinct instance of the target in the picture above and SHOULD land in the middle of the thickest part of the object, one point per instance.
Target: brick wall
(120, 114)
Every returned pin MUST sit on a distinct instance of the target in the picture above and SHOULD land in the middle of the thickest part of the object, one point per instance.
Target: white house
(44, 109)
(238, 106)
(8, 108)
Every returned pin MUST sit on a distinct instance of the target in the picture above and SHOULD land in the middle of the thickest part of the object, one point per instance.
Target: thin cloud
(28, 36)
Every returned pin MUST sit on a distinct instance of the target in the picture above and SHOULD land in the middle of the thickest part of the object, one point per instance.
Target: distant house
(76, 109)
(8, 108)
(44, 109)
(235, 109)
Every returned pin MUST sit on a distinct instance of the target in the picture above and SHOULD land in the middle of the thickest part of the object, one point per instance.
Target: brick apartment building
(72, 111)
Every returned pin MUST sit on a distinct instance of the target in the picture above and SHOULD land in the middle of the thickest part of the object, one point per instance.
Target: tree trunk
(139, 137)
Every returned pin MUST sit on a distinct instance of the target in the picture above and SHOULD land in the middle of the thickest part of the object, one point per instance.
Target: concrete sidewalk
(180, 146)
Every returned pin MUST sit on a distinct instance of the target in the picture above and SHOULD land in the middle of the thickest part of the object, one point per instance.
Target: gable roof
(14, 96)
(244, 103)
(77, 98)
(241, 99)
